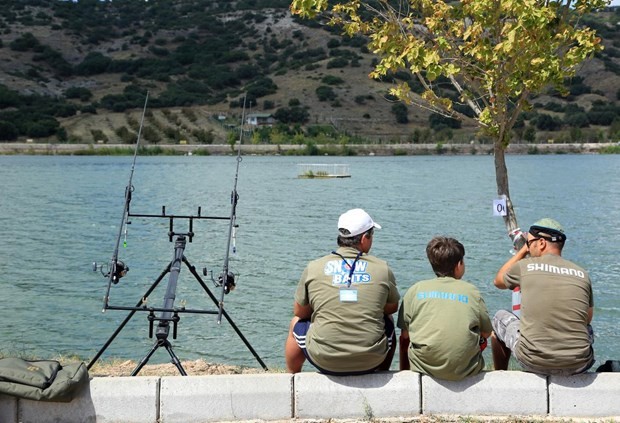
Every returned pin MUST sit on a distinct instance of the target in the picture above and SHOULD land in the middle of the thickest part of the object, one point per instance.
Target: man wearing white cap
(343, 306)
(553, 336)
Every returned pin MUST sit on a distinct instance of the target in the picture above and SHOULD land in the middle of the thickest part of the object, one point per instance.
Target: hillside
(90, 64)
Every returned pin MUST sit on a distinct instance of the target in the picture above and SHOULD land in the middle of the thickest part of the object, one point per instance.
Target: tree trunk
(501, 179)
(510, 220)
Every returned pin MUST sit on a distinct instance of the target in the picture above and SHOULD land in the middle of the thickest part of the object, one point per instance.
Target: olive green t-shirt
(444, 318)
(555, 297)
(347, 333)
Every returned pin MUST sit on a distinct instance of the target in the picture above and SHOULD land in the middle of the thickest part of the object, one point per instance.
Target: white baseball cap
(356, 221)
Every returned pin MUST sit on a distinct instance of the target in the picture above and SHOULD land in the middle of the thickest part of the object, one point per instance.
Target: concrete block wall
(489, 393)
(225, 397)
(308, 395)
(385, 394)
(586, 395)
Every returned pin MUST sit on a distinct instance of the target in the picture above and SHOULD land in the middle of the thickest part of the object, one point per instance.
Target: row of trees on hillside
(36, 116)
(182, 62)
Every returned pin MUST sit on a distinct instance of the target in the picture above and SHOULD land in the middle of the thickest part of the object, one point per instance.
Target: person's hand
(524, 251)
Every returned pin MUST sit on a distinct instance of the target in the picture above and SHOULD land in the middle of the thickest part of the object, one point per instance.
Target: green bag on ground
(41, 380)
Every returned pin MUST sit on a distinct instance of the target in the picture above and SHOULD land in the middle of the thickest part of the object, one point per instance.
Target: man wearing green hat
(553, 335)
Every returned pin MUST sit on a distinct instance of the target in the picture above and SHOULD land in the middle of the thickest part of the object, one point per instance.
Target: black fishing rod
(227, 279)
(117, 268)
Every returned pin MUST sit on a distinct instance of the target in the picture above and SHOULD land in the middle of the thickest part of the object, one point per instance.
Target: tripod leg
(175, 359)
(129, 316)
(146, 358)
(245, 341)
(192, 270)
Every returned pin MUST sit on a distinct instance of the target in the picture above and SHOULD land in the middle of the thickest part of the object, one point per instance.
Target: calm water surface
(59, 214)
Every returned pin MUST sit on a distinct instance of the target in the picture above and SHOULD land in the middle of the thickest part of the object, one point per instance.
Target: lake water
(59, 214)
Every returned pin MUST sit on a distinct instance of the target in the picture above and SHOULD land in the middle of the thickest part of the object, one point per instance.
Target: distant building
(260, 119)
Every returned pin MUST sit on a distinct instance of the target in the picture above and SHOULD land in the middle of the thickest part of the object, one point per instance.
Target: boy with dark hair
(444, 321)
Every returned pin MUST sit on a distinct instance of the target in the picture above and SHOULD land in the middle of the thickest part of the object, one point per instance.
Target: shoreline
(29, 148)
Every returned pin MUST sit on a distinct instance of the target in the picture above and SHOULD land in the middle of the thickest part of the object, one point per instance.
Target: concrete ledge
(586, 395)
(125, 399)
(281, 396)
(119, 399)
(226, 397)
(8, 409)
(384, 394)
(489, 393)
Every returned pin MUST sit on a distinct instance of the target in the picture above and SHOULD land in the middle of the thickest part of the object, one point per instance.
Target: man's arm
(390, 308)
(302, 311)
(485, 320)
(403, 350)
(391, 305)
(590, 314)
(499, 278)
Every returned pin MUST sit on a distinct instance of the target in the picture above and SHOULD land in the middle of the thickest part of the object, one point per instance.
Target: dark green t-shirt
(444, 318)
(347, 335)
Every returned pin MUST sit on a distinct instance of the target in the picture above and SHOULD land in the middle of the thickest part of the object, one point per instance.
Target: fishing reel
(518, 239)
(228, 284)
(118, 270)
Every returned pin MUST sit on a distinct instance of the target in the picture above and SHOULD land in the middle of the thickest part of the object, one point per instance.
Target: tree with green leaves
(495, 54)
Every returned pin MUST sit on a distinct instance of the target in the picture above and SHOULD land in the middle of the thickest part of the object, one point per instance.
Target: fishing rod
(118, 269)
(169, 315)
(227, 279)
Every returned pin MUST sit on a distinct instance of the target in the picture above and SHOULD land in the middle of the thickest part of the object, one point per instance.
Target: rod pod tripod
(170, 313)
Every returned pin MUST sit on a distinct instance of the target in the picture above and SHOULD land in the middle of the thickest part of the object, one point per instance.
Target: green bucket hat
(548, 229)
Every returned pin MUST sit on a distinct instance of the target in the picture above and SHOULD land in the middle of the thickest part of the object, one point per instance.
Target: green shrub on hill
(205, 53)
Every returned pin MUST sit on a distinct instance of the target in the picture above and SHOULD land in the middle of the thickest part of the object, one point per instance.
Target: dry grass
(115, 367)
(118, 367)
